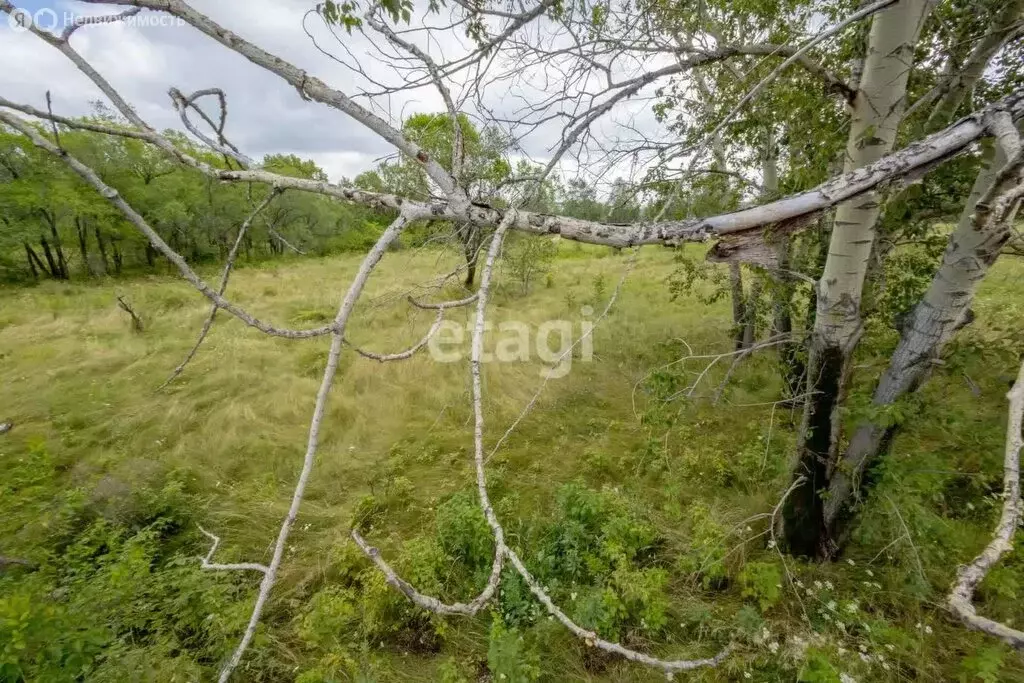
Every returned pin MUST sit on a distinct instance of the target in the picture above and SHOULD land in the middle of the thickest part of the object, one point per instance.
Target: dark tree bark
(739, 305)
(53, 269)
(103, 250)
(32, 261)
(82, 231)
(61, 271)
(471, 236)
(118, 258)
(750, 315)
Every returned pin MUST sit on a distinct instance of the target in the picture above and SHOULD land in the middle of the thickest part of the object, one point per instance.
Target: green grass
(98, 453)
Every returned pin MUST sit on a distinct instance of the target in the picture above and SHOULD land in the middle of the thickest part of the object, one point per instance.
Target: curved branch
(497, 531)
(444, 305)
(83, 21)
(309, 87)
(969, 576)
(408, 353)
(238, 566)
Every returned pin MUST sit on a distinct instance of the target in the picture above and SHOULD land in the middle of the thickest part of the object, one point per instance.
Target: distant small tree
(483, 165)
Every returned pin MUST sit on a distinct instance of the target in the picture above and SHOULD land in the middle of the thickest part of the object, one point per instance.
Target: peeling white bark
(984, 227)
(877, 112)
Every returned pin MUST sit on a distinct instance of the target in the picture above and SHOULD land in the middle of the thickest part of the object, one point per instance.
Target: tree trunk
(53, 270)
(33, 259)
(118, 258)
(877, 110)
(750, 314)
(471, 237)
(103, 250)
(739, 308)
(973, 247)
(150, 255)
(62, 262)
(82, 229)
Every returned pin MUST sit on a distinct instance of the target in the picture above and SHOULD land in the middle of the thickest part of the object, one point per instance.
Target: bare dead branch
(240, 566)
(308, 86)
(969, 576)
(793, 210)
(444, 305)
(337, 336)
(497, 531)
(408, 353)
(79, 22)
(125, 306)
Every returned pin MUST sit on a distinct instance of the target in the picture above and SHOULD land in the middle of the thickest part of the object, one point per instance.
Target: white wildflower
(831, 605)
(850, 562)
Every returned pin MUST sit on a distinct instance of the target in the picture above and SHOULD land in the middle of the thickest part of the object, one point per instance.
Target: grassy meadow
(646, 513)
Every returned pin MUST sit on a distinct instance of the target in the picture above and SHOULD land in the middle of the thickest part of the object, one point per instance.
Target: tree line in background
(56, 227)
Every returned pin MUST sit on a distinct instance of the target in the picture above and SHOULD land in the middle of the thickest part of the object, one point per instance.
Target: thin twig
(225, 275)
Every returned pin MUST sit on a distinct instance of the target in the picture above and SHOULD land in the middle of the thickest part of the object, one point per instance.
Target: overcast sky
(143, 61)
(153, 52)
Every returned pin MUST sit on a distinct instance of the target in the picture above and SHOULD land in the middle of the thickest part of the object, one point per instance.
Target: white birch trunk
(973, 247)
(877, 111)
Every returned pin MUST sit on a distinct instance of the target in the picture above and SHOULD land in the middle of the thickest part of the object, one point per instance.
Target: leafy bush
(528, 257)
(761, 581)
(509, 659)
(705, 559)
(463, 532)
